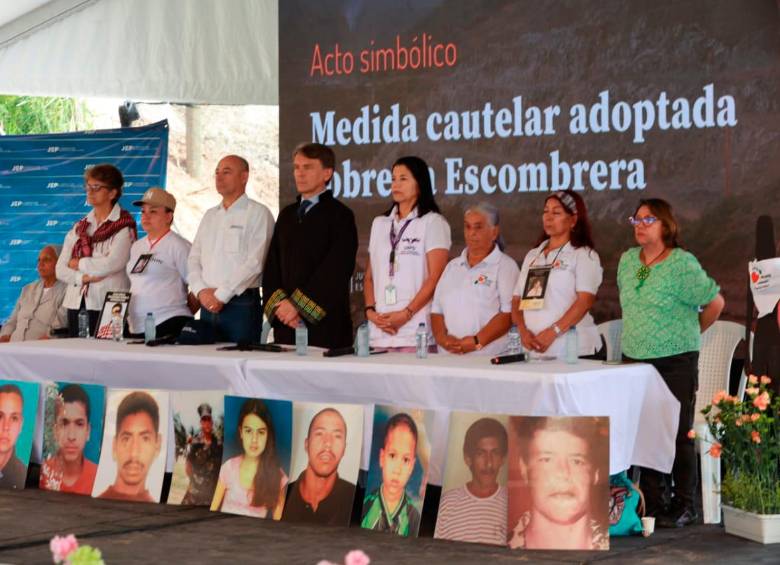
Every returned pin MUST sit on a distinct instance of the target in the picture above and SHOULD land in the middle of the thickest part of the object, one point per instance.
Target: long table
(643, 413)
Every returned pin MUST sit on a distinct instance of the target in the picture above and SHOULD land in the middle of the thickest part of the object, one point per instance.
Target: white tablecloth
(643, 413)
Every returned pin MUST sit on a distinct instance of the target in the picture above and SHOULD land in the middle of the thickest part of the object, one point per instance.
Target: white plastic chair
(718, 344)
(612, 332)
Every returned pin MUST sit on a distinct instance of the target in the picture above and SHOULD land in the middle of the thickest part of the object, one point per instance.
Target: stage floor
(157, 533)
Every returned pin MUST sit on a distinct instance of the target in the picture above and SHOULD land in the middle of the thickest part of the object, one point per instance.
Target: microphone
(165, 340)
(504, 359)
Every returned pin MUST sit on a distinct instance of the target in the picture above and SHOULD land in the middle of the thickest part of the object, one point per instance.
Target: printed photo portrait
(114, 311)
(132, 458)
(72, 435)
(18, 409)
(198, 427)
(473, 506)
(558, 483)
(256, 457)
(327, 443)
(398, 470)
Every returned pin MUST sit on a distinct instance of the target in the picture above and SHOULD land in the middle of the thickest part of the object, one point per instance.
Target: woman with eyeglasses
(559, 280)
(97, 248)
(667, 301)
(408, 250)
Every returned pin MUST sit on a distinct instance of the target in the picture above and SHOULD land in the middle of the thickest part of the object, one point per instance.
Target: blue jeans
(240, 321)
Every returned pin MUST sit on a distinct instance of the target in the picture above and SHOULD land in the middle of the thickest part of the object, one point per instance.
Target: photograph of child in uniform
(320, 494)
(13, 462)
(70, 414)
(252, 480)
(198, 427)
(131, 467)
(109, 314)
(392, 504)
(563, 499)
(477, 510)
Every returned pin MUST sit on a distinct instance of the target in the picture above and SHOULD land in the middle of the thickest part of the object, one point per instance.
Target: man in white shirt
(226, 260)
(39, 308)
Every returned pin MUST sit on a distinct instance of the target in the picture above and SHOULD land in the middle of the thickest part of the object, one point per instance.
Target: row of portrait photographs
(529, 482)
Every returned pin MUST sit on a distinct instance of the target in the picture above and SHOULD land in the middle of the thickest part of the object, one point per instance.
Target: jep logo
(53, 185)
(53, 149)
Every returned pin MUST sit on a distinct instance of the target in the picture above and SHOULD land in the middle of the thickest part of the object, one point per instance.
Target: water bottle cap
(149, 314)
(422, 325)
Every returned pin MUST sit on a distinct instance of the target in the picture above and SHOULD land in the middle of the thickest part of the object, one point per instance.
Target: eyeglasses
(647, 220)
(95, 187)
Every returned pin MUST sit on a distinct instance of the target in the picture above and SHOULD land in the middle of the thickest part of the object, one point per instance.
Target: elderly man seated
(39, 309)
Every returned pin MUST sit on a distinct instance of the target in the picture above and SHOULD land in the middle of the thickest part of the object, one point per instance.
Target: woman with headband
(559, 280)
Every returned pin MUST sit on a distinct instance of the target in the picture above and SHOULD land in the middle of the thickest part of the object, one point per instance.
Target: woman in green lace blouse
(667, 301)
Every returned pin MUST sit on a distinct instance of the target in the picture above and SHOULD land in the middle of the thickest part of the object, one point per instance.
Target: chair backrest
(718, 344)
(612, 332)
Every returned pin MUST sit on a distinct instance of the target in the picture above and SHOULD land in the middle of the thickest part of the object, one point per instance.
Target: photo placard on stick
(114, 308)
(132, 458)
(198, 425)
(72, 435)
(558, 482)
(18, 410)
(398, 470)
(327, 443)
(258, 436)
(473, 506)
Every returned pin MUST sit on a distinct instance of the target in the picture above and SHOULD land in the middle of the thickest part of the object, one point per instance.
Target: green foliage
(747, 437)
(85, 555)
(25, 115)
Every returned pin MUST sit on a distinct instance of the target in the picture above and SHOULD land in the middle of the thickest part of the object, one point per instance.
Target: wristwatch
(556, 329)
(477, 345)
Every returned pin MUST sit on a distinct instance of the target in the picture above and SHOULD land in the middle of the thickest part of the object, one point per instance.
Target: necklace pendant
(642, 273)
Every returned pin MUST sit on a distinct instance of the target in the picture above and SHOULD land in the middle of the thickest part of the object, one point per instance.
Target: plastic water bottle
(150, 328)
(83, 323)
(301, 338)
(362, 341)
(421, 341)
(514, 346)
(572, 347)
(116, 328)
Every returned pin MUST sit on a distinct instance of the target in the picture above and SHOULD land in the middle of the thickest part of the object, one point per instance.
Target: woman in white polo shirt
(158, 269)
(408, 250)
(567, 268)
(471, 309)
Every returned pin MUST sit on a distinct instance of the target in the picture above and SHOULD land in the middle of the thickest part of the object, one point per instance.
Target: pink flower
(754, 417)
(765, 380)
(755, 436)
(715, 450)
(61, 547)
(751, 390)
(691, 434)
(761, 401)
(720, 395)
(738, 422)
(752, 379)
(356, 557)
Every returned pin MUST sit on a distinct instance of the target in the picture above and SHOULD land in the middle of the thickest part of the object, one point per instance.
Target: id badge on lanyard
(535, 288)
(391, 294)
(141, 264)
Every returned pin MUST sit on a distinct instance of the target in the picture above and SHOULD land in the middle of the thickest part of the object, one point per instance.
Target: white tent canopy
(182, 51)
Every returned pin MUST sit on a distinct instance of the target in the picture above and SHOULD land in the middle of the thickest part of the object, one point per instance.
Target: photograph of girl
(256, 457)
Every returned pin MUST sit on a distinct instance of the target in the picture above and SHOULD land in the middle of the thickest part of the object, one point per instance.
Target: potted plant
(746, 436)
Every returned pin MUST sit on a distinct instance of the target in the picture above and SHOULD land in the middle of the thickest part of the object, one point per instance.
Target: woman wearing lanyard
(96, 250)
(667, 301)
(559, 280)
(473, 300)
(408, 250)
(158, 270)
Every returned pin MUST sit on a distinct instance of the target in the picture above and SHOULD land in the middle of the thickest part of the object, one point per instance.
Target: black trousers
(681, 375)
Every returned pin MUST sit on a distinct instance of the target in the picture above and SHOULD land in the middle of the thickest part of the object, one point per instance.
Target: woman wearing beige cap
(158, 269)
